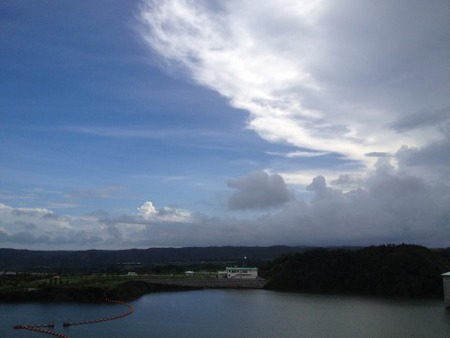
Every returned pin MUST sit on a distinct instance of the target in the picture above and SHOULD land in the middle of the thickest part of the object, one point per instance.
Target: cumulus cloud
(258, 190)
(435, 155)
(351, 78)
(166, 214)
(147, 210)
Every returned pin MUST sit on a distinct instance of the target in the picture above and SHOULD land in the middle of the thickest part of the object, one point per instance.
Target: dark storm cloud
(393, 206)
(422, 119)
(390, 207)
(258, 190)
(347, 180)
(432, 155)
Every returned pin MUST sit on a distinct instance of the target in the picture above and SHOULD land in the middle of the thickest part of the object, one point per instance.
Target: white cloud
(5, 209)
(330, 77)
(165, 214)
(147, 210)
(168, 214)
(297, 154)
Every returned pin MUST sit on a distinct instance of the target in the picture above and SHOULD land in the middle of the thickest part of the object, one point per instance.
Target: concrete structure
(239, 272)
(446, 284)
(211, 283)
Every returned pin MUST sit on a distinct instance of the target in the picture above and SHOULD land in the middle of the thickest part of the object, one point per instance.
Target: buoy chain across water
(40, 327)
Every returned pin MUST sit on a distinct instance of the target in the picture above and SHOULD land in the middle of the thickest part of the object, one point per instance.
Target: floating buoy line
(43, 328)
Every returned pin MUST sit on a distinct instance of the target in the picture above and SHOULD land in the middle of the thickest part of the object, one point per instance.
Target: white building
(239, 272)
(446, 283)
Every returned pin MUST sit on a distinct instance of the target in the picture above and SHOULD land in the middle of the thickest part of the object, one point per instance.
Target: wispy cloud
(297, 154)
(142, 132)
(101, 193)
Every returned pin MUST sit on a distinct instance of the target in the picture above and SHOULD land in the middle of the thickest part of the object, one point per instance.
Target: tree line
(387, 270)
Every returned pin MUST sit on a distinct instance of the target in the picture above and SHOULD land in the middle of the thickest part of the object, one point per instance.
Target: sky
(138, 124)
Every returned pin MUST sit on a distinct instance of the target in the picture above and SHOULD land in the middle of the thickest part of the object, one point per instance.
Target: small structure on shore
(446, 284)
(239, 272)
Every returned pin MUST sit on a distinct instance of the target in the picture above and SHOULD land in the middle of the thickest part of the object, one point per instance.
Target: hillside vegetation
(95, 259)
(78, 288)
(388, 270)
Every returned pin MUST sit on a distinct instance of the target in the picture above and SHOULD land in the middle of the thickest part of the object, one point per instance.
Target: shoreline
(125, 291)
(133, 289)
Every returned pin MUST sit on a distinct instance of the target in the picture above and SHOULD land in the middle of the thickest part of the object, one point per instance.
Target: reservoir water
(237, 313)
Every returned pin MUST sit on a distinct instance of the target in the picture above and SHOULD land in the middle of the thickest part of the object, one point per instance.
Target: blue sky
(193, 123)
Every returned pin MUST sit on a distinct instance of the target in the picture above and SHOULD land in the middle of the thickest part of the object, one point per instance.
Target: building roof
(447, 274)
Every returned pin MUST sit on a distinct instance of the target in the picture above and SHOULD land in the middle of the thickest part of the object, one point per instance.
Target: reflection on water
(239, 313)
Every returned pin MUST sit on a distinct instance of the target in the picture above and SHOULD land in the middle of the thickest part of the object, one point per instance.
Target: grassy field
(80, 287)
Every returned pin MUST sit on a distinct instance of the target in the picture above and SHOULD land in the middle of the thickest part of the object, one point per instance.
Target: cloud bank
(389, 207)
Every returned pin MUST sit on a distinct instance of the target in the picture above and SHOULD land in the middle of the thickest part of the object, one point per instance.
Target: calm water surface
(238, 313)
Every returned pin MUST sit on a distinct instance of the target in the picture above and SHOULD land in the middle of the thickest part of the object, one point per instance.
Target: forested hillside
(388, 270)
(27, 259)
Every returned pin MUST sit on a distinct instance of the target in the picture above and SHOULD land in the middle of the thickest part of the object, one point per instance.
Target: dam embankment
(211, 283)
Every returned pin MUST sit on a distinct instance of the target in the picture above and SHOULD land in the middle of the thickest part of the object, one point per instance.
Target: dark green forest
(387, 270)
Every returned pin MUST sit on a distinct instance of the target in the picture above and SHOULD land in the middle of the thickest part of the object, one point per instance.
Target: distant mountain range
(28, 259)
